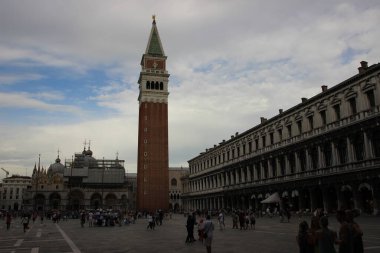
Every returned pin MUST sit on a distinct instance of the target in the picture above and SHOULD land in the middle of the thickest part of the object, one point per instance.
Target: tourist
(150, 221)
(190, 229)
(8, 220)
(246, 219)
(304, 239)
(201, 227)
(314, 227)
(90, 219)
(345, 233)
(235, 219)
(252, 219)
(326, 238)
(25, 221)
(357, 233)
(208, 233)
(221, 220)
(82, 219)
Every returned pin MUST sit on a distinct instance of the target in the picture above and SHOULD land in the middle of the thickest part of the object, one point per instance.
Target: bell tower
(153, 149)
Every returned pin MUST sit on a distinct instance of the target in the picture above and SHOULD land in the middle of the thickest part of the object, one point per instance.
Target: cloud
(15, 78)
(26, 101)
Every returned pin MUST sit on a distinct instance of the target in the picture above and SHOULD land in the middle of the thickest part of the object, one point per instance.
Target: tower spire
(154, 47)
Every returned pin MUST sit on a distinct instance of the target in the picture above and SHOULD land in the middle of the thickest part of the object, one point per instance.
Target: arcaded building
(153, 149)
(322, 153)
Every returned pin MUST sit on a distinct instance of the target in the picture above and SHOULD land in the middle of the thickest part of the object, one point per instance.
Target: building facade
(153, 151)
(83, 182)
(321, 153)
(12, 191)
(176, 187)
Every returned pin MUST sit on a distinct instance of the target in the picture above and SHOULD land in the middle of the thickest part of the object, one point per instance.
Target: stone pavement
(270, 236)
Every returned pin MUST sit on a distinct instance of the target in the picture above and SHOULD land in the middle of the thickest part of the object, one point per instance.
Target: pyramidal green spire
(154, 46)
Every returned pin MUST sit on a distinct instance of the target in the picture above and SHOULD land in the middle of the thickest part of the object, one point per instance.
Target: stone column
(287, 165)
(237, 178)
(339, 196)
(367, 146)
(334, 155)
(308, 160)
(242, 175)
(227, 176)
(278, 165)
(249, 175)
(321, 159)
(255, 177)
(297, 162)
(262, 169)
(270, 172)
(350, 152)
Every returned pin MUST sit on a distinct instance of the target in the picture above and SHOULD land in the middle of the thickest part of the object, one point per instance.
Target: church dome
(88, 152)
(56, 167)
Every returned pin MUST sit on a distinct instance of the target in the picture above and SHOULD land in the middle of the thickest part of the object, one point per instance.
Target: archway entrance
(96, 201)
(110, 201)
(39, 202)
(55, 201)
(347, 197)
(76, 200)
(366, 198)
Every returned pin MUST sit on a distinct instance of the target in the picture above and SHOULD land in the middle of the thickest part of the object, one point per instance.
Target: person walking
(8, 220)
(253, 220)
(208, 233)
(25, 221)
(82, 219)
(190, 228)
(221, 220)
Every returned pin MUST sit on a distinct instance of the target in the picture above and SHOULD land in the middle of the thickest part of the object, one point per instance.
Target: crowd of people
(319, 238)
(313, 237)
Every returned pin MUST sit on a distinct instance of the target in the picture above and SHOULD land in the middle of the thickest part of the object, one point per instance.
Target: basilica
(82, 182)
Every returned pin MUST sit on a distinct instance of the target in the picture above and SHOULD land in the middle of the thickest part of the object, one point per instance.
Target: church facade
(83, 182)
(321, 153)
(153, 151)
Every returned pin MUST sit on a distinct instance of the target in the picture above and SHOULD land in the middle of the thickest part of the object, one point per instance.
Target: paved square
(270, 236)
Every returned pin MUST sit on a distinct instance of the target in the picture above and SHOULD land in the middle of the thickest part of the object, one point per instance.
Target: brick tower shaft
(153, 148)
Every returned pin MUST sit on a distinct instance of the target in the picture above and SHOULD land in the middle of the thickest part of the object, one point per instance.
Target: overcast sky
(69, 70)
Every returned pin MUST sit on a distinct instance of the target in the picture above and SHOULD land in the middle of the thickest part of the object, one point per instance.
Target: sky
(69, 70)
